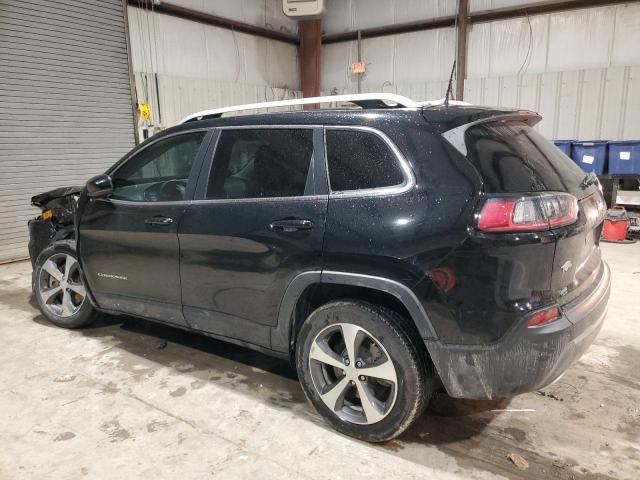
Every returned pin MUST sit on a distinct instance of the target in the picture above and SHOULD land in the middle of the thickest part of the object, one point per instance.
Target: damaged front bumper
(41, 234)
(60, 204)
(44, 232)
(527, 359)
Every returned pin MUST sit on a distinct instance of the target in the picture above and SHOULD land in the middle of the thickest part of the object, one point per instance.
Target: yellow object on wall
(144, 111)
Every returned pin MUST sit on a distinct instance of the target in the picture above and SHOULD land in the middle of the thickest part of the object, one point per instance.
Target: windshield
(512, 157)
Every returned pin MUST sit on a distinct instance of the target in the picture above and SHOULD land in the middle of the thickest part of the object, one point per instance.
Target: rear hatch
(512, 158)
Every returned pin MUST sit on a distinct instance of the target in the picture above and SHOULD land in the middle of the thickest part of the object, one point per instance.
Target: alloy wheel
(353, 374)
(60, 285)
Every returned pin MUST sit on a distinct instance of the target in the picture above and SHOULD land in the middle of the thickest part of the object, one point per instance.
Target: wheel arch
(67, 232)
(331, 285)
(85, 311)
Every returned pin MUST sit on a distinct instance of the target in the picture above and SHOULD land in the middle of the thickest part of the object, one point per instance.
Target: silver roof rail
(364, 100)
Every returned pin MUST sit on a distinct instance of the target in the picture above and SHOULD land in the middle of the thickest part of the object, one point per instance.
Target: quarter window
(358, 160)
(160, 171)
(261, 163)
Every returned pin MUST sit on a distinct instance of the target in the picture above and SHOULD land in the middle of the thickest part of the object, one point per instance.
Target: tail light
(534, 212)
(542, 318)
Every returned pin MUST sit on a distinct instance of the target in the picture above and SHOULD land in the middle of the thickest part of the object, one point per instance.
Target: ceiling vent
(303, 9)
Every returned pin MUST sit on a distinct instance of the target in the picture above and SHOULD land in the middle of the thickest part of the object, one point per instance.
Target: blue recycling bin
(564, 146)
(624, 157)
(590, 156)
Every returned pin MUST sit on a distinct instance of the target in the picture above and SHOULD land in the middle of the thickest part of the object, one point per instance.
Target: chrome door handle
(292, 224)
(159, 221)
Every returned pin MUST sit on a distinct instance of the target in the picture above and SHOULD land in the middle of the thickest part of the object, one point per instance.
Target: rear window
(360, 160)
(513, 157)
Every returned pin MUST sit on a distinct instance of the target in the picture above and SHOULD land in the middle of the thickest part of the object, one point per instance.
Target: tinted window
(160, 171)
(513, 157)
(256, 163)
(358, 160)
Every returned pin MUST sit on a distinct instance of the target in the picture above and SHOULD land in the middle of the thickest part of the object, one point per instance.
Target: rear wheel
(58, 285)
(362, 370)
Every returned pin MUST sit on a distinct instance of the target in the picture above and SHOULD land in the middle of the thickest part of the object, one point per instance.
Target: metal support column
(310, 44)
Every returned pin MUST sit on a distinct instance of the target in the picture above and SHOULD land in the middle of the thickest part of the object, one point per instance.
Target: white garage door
(65, 102)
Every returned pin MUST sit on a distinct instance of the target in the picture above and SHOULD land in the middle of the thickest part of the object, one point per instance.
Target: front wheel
(362, 369)
(58, 285)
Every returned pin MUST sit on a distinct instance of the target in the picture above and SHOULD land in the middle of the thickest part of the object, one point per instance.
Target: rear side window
(513, 157)
(358, 160)
(261, 163)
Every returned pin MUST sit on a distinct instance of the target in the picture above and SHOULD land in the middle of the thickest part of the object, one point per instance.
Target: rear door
(129, 242)
(258, 221)
(512, 157)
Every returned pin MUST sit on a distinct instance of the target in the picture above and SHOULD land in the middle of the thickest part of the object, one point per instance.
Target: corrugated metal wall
(346, 15)
(581, 104)
(414, 63)
(262, 13)
(199, 66)
(582, 72)
(578, 68)
(393, 63)
(65, 102)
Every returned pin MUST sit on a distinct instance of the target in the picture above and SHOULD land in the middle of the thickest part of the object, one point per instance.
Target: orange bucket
(616, 224)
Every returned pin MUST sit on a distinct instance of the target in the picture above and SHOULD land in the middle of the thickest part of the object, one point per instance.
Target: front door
(257, 222)
(128, 243)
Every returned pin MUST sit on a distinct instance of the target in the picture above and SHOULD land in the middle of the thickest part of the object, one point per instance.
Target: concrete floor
(116, 401)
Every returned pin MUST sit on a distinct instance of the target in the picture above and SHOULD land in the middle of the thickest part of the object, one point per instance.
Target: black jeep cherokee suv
(381, 249)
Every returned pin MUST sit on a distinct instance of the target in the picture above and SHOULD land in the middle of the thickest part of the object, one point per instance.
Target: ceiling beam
(539, 8)
(440, 22)
(535, 8)
(214, 20)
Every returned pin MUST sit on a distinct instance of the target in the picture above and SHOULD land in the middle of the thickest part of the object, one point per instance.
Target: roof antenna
(450, 85)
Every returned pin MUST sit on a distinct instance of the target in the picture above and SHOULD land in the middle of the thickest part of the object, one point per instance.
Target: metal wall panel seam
(49, 25)
(38, 33)
(60, 44)
(556, 113)
(603, 82)
(66, 8)
(578, 107)
(25, 79)
(625, 96)
(56, 52)
(63, 101)
(38, 87)
(50, 62)
(49, 17)
(98, 8)
(37, 16)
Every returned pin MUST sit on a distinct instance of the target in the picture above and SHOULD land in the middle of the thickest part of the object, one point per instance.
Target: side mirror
(100, 186)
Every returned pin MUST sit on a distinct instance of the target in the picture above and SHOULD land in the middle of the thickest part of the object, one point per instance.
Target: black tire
(84, 314)
(413, 372)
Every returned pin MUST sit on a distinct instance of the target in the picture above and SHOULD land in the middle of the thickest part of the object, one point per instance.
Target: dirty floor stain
(154, 401)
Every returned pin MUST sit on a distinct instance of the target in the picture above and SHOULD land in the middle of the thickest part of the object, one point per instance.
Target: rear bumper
(528, 358)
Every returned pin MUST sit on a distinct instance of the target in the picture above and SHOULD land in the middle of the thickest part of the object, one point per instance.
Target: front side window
(159, 172)
(261, 163)
(359, 160)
